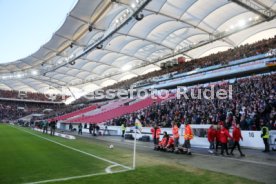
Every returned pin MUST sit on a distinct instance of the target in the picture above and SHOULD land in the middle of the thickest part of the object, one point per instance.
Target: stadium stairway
(76, 113)
(107, 107)
(116, 112)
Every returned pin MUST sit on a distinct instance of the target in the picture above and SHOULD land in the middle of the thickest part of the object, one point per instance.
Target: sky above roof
(28, 24)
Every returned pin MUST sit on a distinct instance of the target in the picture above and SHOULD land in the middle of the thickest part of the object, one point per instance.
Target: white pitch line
(75, 177)
(80, 151)
(199, 154)
(108, 169)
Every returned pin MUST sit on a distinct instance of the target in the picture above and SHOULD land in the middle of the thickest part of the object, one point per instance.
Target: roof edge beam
(255, 8)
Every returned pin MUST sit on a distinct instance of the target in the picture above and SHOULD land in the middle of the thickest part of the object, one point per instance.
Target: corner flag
(138, 125)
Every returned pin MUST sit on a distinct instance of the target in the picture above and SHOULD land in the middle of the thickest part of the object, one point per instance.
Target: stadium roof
(101, 42)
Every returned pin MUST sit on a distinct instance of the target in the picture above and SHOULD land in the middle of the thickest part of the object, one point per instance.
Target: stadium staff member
(211, 138)
(265, 136)
(236, 138)
(224, 135)
(188, 136)
(218, 136)
(155, 131)
(175, 134)
(163, 143)
(123, 128)
(170, 145)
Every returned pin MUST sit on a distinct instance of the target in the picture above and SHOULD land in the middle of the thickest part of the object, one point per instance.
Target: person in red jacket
(217, 137)
(155, 131)
(236, 138)
(224, 135)
(211, 138)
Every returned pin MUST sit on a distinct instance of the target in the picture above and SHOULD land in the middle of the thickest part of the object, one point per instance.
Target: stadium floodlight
(133, 5)
(19, 75)
(250, 19)
(232, 27)
(34, 72)
(4, 77)
(126, 67)
(242, 23)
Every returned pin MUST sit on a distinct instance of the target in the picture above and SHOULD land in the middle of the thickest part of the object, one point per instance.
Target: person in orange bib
(163, 143)
(170, 145)
(155, 131)
(175, 133)
(188, 136)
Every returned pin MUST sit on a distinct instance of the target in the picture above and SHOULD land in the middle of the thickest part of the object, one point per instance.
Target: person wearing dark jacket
(236, 138)
(71, 127)
(53, 127)
(90, 128)
(80, 129)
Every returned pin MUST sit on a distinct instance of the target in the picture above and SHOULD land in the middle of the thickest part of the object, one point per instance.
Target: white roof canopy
(167, 26)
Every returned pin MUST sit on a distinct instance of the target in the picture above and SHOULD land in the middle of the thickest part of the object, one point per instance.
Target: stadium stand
(253, 101)
(223, 58)
(31, 96)
(13, 110)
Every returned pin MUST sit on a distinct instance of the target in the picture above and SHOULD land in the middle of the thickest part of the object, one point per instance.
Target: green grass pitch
(26, 158)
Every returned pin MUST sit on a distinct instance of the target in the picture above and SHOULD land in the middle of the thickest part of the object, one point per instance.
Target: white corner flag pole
(134, 149)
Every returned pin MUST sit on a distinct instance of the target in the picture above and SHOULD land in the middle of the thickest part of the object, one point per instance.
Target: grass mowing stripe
(25, 158)
(69, 147)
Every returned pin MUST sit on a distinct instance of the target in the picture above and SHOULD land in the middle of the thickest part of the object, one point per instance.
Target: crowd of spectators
(232, 54)
(13, 110)
(66, 109)
(253, 101)
(13, 94)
